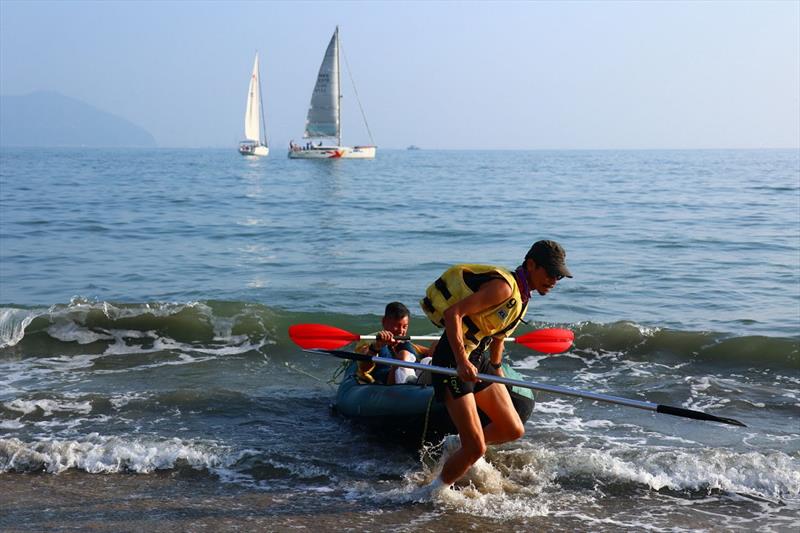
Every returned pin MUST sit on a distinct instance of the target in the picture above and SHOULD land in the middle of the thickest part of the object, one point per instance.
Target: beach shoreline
(177, 500)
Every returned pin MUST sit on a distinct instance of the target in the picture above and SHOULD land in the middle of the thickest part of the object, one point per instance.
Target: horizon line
(418, 149)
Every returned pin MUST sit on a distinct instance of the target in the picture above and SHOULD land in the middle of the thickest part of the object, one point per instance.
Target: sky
(440, 75)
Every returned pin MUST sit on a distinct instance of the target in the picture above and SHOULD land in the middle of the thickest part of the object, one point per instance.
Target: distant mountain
(52, 119)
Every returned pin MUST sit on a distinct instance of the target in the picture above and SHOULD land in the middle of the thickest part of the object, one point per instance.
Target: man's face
(540, 280)
(397, 326)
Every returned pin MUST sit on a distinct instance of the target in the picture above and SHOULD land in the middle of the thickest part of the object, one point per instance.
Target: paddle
(308, 336)
(639, 404)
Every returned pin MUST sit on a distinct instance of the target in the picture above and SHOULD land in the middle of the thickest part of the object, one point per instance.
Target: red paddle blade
(550, 340)
(309, 336)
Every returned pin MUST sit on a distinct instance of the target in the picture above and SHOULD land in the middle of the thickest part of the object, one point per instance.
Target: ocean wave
(85, 322)
(534, 480)
(13, 323)
(772, 475)
(195, 331)
(85, 326)
(40, 413)
(97, 454)
(48, 406)
(637, 341)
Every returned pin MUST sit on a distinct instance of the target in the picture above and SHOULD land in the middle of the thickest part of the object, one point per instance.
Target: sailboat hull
(249, 149)
(334, 152)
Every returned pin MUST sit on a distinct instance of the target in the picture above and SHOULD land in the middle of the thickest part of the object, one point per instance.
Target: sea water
(147, 379)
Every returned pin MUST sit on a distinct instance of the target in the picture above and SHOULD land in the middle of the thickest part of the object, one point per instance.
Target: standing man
(479, 305)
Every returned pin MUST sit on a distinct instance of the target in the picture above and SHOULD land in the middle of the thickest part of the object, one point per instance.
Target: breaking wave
(94, 326)
(97, 454)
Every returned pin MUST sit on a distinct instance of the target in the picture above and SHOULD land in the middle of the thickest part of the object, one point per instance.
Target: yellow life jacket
(459, 282)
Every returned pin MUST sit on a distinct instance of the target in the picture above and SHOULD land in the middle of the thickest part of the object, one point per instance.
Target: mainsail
(252, 115)
(323, 114)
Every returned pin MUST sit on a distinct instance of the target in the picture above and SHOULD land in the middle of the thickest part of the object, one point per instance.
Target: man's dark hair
(396, 311)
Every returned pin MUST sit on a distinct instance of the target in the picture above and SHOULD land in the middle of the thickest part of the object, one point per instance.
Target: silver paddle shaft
(519, 383)
(658, 408)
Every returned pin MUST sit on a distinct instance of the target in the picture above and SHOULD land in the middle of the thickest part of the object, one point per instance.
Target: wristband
(496, 366)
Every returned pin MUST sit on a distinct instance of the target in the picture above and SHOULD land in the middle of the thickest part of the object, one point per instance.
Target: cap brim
(562, 270)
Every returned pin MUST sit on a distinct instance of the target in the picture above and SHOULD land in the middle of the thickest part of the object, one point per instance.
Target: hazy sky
(436, 74)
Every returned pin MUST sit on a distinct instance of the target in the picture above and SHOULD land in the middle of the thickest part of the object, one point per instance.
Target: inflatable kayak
(408, 413)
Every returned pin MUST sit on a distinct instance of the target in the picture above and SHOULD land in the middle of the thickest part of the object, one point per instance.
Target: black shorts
(443, 356)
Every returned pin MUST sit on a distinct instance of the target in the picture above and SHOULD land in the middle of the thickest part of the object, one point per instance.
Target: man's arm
(496, 353)
(489, 295)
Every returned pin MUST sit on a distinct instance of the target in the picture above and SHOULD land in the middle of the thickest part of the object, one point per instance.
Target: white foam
(229, 349)
(159, 309)
(702, 395)
(230, 345)
(571, 424)
(524, 479)
(69, 331)
(531, 362)
(53, 425)
(13, 322)
(555, 406)
(647, 331)
(772, 474)
(791, 379)
(15, 373)
(67, 322)
(99, 454)
(485, 491)
(120, 401)
(599, 424)
(48, 406)
(700, 384)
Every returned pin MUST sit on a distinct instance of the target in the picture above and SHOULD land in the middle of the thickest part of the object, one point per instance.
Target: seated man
(395, 324)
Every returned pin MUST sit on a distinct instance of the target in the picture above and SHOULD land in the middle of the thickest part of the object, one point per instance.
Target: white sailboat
(324, 115)
(254, 118)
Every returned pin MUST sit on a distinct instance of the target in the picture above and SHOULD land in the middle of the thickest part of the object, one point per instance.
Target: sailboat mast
(339, 96)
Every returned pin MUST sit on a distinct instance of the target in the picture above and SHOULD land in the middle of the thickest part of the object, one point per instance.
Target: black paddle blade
(697, 415)
(341, 354)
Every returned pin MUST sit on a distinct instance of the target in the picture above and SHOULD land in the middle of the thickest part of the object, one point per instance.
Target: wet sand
(75, 501)
(175, 501)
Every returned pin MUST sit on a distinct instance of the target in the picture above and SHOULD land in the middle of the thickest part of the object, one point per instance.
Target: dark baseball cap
(551, 256)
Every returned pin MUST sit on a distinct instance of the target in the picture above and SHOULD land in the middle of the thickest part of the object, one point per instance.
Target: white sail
(323, 113)
(252, 115)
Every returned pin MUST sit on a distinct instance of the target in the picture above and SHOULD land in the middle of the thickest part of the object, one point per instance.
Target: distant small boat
(254, 118)
(413, 147)
(324, 115)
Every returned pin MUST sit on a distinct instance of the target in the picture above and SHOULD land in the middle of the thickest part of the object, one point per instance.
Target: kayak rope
(338, 372)
(303, 372)
(427, 418)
